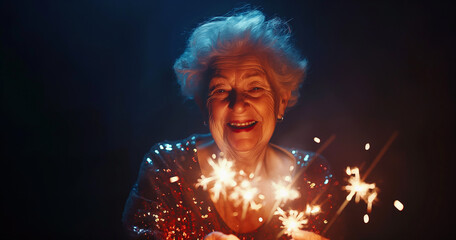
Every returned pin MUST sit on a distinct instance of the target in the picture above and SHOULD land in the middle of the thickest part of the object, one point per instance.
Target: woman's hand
(220, 236)
(306, 235)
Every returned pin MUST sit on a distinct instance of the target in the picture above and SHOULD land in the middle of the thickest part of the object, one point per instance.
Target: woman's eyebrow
(251, 74)
(214, 86)
(258, 83)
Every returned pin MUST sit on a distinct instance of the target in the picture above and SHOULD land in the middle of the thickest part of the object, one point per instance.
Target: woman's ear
(283, 102)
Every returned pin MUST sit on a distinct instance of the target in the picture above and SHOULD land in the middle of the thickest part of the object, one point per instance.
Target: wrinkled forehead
(249, 63)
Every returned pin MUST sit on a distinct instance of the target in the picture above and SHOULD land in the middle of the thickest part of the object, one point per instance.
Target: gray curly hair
(243, 33)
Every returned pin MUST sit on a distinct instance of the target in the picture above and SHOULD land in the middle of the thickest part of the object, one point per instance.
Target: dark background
(88, 87)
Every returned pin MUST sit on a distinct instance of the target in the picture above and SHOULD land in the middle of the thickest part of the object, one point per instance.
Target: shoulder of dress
(312, 165)
(305, 158)
(167, 154)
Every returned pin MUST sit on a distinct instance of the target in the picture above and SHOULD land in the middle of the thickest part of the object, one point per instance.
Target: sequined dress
(165, 202)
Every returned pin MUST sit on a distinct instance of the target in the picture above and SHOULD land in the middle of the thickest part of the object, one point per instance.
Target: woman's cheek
(216, 109)
(265, 106)
(217, 115)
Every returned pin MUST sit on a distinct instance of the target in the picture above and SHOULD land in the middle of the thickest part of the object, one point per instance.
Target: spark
(312, 209)
(284, 193)
(292, 221)
(222, 177)
(370, 200)
(399, 205)
(360, 189)
(287, 178)
(367, 146)
(246, 195)
(317, 140)
(173, 179)
(366, 218)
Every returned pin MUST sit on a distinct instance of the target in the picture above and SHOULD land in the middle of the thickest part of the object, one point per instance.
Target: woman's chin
(242, 145)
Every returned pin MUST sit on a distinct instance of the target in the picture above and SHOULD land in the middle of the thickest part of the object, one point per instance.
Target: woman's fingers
(220, 236)
(306, 235)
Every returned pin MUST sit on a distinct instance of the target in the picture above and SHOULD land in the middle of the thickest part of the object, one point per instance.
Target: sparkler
(356, 184)
(245, 194)
(360, 189)
(284, 193)
(292, 221)
(222, 177)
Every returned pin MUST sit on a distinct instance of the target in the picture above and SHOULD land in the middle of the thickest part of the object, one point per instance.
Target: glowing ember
(367, 146)
(399, 205)
(360, 189)
(366, 218)
(221, 177)
(173, 179)
(317, 140)
(292, 221)
(312, 210)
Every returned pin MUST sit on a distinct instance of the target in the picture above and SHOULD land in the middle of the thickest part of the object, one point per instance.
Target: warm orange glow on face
(241, 104)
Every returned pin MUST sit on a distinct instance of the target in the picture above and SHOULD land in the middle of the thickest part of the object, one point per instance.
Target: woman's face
(242, 105)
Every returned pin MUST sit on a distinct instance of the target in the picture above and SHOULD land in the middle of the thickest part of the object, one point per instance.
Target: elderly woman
(233, 183)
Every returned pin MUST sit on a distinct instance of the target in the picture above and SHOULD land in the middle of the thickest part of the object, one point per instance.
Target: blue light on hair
(242, 33)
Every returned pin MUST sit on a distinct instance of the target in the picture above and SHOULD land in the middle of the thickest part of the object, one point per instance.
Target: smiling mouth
(242, 125)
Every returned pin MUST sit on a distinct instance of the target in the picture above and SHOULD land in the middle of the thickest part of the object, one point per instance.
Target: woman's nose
(237, 102)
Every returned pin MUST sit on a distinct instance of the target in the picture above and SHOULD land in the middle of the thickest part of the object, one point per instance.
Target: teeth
(242, 124)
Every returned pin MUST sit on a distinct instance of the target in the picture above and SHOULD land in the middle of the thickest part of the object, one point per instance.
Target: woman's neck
(249, 162)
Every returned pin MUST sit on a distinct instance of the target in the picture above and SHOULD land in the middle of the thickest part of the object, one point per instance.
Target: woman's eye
(255, 89)
(218, 91)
